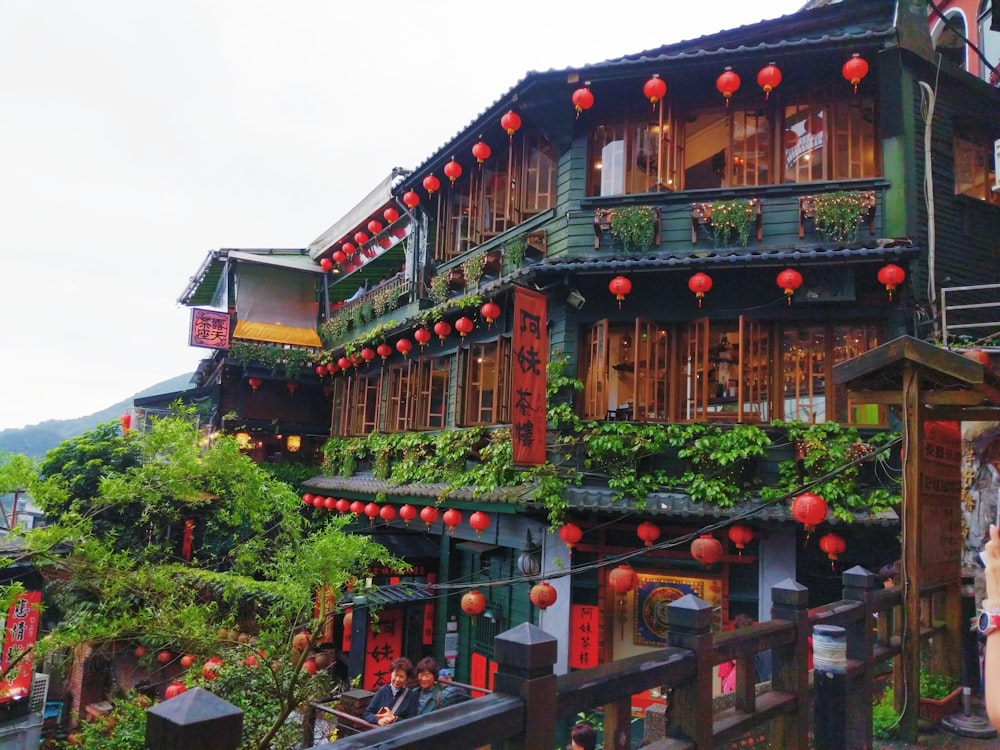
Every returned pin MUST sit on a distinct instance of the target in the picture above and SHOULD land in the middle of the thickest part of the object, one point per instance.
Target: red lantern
(768, 78)
(510, 122)
(854, 70)
(655, 89)
(740, 535)
(727, 84)
(422, 335)
(390, 215)
(833, 545)
(321, 370)
(481, 151)
(339, 256)
(431, 184)
(291, 386)
(979, 355)
(374, 226)
(187, 660)
(473, 603)
(891, 276)
(357, 507)
(164, 657)
(210, 670)
(372, 511)
(140, 651)
(407, 513)
(410, 199)
(387, 513)
(582, 99)
(344, 363)
(174, 689)
(623, 580)
(542, 595)
(330, 503)
(620, 286)
(343, 505)
(648, 532)
(326, 264)
(453, 170)
(368, 354)
(790, 139)
(403, 346)
(570, 533)
(319, 502)
(429, 514)
(490, 311)
(348, 248)
(706, 549)
(452, 518)
(307, 499)
(331, 367)
(700, 283)
(480, 522)
(442, 329)
(360, 237)
(789, 280)
(464, 326)
(384, 351)
(310, 666)
(809, 509)
(254, 383)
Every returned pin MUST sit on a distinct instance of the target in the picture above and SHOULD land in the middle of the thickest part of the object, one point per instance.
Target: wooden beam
(912, 445)
(931, 398)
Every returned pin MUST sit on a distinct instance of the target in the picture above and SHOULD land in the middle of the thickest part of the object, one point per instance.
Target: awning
(369, 205)
(409, 546)
(400, 593)
(276, 334)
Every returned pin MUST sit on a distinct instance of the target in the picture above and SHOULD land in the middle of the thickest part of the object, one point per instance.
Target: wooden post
(194, 720)
(359, 634)
(790, 665)
(910, 574)
(525, 656)
(859, 585)
(689, 625)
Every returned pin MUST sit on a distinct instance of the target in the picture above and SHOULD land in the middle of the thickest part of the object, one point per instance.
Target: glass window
(399, 404)
(487, 383)
(631, 155)
(975, 165)
(824, 139)
(431, 384)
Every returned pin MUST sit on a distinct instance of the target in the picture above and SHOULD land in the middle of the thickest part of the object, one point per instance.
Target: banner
(384, 644)
(583, 628)
(531, 354)
(19, 635)
(209, 329)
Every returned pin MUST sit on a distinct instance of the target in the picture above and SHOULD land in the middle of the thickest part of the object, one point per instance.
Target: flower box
(935, 709)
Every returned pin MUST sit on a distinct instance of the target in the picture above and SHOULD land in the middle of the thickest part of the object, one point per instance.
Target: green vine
(837, 214)
(513, 252)
(473, 269)
(635, 226)
(439, 289)
(291, 361)
(731, 222)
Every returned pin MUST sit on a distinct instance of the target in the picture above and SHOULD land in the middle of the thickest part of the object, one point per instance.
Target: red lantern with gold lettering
(891, 276)
(809, 509)
(620, 286)
(789, 280)
(728, 83)
(543, 595)
(700, 283)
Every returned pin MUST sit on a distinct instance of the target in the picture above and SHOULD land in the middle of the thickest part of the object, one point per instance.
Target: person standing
(582, 736)
(393, 701)
(435, 692)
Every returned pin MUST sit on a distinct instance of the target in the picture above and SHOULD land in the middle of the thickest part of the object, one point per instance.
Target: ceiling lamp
(490, 312)
(410, 199)
(854, 70)
(482, 152)
(543, 595)
(833, 545)
(407, 513)
(809, 509)
(727, 83)
(740, 535)
(655, 89)
(789, 280)
(428, 514)
(768, 78)
(706, 549)
(479, 521)
(583, 98)
(473, 603)
(570, 533)
(422, 335)
(431, 184)
(511, 122)
(403, 346)
(891, 276)
(453, 170)
(648, 532)
(390, 215)
(620, 286)
(384, 351)
(464, 326)
(700, 283)
(442, 328)
(452, 518)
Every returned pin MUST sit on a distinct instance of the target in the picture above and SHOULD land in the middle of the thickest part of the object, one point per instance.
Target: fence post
(860, 585)
(194, 720)
(689, 626)
(525, 656)
(790, 664)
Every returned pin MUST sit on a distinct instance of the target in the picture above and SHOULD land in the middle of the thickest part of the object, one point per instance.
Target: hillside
(36, 440)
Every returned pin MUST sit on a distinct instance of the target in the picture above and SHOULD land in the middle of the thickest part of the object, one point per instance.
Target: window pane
(751, 163)
(706, 140)
(803, 139)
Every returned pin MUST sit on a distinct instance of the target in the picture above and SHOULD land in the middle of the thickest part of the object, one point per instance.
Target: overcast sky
(136, 136)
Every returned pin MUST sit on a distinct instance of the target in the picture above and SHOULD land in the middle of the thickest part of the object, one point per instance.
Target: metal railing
(970, 308)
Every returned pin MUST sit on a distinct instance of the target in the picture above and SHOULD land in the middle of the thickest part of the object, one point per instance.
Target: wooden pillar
(525, 657)
(859, 586)
(689, 625)
(359, 635)
(790, 665)
(912, 426)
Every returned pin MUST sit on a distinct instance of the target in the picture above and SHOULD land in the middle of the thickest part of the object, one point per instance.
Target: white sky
(136, 136)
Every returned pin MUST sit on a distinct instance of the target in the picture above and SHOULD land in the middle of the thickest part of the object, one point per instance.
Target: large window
(486, 383)
(975, 164)
(431, 384)
(399, 398)
(631, 155)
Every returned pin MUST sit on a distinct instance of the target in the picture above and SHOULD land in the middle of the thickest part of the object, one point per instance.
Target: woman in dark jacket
(435, 693)
(393, 701)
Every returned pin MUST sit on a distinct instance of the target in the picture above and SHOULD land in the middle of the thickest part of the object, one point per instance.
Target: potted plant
(472, 269)
(939, 696)
(837, 215)
(635, 226)
(731, 222)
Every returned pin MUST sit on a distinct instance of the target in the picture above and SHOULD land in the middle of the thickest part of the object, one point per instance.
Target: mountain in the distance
(36, 440)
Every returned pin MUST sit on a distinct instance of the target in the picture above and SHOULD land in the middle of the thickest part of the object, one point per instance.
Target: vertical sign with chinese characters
(941, 504)
(384, 644)
(531, 353)
(210, 329)
(583, 635)
(20, 635)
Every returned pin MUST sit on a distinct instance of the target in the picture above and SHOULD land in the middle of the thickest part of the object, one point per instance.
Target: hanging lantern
(331, 502)
(422, 335)
(570, 533)
(854, 70)
(331, 367)
(348, 248)
(740, 535)
(385, 242)
(768, 78)
(338, 256)
(480, 522)
(384, 351)
(809, 509)
(326, 264)
(374, 226)
(431, 184)
(291, 386)
(464, 326)
(620, 286)
(174, 689)
(407, 513)
(453, 170)
(790, 139)
(321, 370)
(410, 199)
(622, 580)
(543, 595)
(654, 89)
(473, 603)
(452, 518)
(833, 545)
(490, 311)
(727, 84)
(319, 502)
(307, 498)
(360, 237)
(510, 122)
(343, 505)
(442, 328)
(700, 283)
(390, 215)
(583, 98)
(357, 507)
(706, 549)
(368, 354)
(891, 276)
(648, 532)
(254, 383)
(428, 514)
(372, 511)
(481, 151)
(789, 280)
(344, 363)
(403, 346)
(387, 513)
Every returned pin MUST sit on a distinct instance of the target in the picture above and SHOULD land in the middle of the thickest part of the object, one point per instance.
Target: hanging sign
(583, 624)
(383, 645)
(531, 349)
(19, 636)
(209, 329)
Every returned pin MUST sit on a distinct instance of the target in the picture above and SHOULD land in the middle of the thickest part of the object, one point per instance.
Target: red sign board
(209, 329)
(583, 624)
(20, 635)
(531, 354)
(383, 645)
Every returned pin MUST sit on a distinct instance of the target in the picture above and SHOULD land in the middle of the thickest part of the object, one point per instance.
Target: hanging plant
(513, 252)
(473, 269)
(732, 221)
(635, 226)
(837, 215)
(380, 301)
(439, 288)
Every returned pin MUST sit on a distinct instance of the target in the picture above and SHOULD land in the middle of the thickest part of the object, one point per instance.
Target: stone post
(790, 664)
(194, 720)
(525, 656)
(689, 626)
